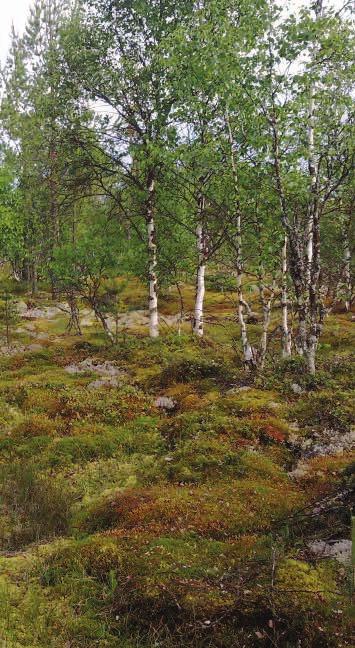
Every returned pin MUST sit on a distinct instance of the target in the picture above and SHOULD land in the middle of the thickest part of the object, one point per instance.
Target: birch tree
(308, 171)
(121, 65)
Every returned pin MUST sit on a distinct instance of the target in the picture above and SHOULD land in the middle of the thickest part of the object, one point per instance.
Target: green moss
(306, 587)
(248, 505)
(252, 401)
(68, 450)
(173, 523)
(330, 409)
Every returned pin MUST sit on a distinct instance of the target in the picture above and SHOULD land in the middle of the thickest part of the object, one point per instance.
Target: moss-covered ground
(125, 525)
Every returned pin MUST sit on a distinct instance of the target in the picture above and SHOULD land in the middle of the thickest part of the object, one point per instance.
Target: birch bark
(201, 268)
(286, 333)
(248, 355)
(152, 259)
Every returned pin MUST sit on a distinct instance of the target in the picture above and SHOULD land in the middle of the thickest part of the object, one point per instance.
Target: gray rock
(34, 347)
(90, 365)
(237, 390)
(321, 444)
(165, 402)
(297, 389)
(340, 550)
(12, 350)
(103, 382)
(42, 336)
(21, 306)
(47, 312)
(126, 320)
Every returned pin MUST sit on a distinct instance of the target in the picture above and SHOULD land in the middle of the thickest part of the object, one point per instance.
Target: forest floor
(153, 493)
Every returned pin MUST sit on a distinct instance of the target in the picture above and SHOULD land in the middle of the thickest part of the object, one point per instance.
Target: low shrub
(189, 370)
(108, 406)
(210, 422)
(34, 425)
(37, 506)
(331, 409)
(96, 557)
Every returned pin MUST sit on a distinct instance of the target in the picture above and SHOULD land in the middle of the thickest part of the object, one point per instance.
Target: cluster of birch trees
(184, 140)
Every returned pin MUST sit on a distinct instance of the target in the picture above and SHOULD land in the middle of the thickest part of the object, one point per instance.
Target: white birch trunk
(248, 355)
(347, 273)
(266, 306)
(152, 262)
(153, 295)
(313, 178)
(200, 283)
(312, 162)
(286, 333)
(313, 326)
(201, 268)
(311, 354)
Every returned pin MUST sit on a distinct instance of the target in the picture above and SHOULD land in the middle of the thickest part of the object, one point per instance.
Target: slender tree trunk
(7, 319)
(103, 320)
(315, 309)
(33, 278)
(53, 206)
(248, 355)
(266, 308)
(297, 269)
(152, 259)
(74, 319)
(181, 316)
(53, 189)
(347, 268)
(286, 333)
(200, 275)
(312, 166)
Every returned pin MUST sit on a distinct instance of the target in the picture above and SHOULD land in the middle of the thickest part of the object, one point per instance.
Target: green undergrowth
(126, 525)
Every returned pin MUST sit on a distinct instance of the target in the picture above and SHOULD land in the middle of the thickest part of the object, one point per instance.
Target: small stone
(34, 347)
(297, 389)
(103, 382)
(165, 402)
(106, 368)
